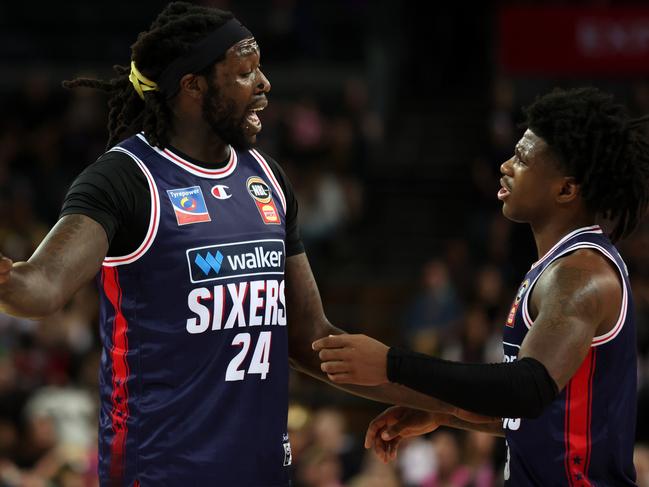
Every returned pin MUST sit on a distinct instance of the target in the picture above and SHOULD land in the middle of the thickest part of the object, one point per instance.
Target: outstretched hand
(353, 359)
(388, 429)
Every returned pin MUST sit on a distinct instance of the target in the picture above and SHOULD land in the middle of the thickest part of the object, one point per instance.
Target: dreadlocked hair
(596, 142)
(172, 34)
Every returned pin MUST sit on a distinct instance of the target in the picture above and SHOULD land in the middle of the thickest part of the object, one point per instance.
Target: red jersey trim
(193, 168)
(579, 404)
(266, 168)
(592, 229)
(120, 373)
(615, 331)
(154, 218)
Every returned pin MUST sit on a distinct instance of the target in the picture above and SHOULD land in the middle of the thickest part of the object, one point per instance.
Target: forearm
(308, 322)
(519, 389)
(309, 363)
(495, 428)
(68, 257)
(29, 293)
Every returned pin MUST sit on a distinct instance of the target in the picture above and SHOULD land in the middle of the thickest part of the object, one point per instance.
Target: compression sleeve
(520, 389)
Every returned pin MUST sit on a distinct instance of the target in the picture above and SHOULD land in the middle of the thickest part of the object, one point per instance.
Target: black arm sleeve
(521, 389)
(294, 243)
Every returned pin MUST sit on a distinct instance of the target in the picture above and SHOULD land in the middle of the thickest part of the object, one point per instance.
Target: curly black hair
(596, 142)
(176, 29)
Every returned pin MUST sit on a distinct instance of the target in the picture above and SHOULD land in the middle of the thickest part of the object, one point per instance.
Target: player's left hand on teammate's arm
(353, 359)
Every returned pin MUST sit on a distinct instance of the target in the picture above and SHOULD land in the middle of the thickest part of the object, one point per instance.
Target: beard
(218, 113)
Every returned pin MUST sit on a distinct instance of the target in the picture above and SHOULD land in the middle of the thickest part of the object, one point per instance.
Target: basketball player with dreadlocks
(567, 389)
(206, 292)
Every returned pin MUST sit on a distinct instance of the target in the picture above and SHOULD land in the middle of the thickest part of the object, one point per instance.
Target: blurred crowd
(453, 305)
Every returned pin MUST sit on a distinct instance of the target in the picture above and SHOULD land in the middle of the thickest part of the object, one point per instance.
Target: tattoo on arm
(570, 304)
(69, 256)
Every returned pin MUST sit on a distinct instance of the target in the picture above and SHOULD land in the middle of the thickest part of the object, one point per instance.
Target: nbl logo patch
(260, 192)
(189, 205)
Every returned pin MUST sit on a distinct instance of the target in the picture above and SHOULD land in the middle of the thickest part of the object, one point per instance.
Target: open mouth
(504, 191)
(252, 118)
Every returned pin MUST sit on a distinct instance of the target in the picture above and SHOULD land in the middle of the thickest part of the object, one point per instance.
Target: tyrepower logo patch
(189, 205)
(226, 261)
(260, 192)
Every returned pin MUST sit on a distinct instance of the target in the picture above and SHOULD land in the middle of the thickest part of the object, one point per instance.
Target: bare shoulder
(584, 283)
(585, 269)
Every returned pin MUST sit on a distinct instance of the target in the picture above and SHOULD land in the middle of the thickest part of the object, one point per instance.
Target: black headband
(202, 54)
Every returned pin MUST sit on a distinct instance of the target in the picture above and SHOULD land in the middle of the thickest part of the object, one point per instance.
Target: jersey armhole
(613, 332)
(154, 217)
(271, 176)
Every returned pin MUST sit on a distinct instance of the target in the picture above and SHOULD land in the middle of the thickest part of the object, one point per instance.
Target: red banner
(574, 41)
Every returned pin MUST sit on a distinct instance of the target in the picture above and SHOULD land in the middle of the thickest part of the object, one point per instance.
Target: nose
(506, 167)
(263, 84)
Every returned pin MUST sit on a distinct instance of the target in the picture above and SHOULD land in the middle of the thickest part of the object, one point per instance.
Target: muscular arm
(69, 256)
(307, 323)
(577, 297)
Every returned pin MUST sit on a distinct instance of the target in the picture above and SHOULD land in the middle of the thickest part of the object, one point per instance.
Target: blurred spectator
(450, 471)
(479, 455)
(475, 341)
(417, 461)
(434, 310)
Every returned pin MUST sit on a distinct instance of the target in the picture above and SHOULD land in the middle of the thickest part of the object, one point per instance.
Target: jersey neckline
(564, 239)
(191, 165)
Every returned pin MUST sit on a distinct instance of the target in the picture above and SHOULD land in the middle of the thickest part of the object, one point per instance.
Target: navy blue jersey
(586, 436)
(194, 368)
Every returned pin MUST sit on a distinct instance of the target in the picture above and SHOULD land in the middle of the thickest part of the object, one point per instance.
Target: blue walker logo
(256, 257)
(189, 205)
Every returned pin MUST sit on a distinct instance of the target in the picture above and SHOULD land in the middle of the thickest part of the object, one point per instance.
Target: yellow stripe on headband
(140, 82)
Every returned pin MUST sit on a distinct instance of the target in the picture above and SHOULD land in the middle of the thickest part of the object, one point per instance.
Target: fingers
(386, 450)
(332, 341)
(327, 354)
(392, 431)
(336, 367)
(390, 416)
(373, 429)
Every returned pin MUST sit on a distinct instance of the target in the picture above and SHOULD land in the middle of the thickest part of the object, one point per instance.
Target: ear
(193, 85)
(568, 191)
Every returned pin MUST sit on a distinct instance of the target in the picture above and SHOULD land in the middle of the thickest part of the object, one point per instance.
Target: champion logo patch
(221, 192)
(189, 205)
(263, 197)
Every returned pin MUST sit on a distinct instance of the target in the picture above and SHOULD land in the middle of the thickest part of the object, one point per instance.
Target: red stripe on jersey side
(579, 403)
(120, 373)
(590, 406)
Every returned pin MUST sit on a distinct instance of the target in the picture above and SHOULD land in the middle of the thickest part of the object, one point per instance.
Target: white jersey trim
(615, 331)
(592, 229)
(193, 168)
(154, 217)
(269, 172)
